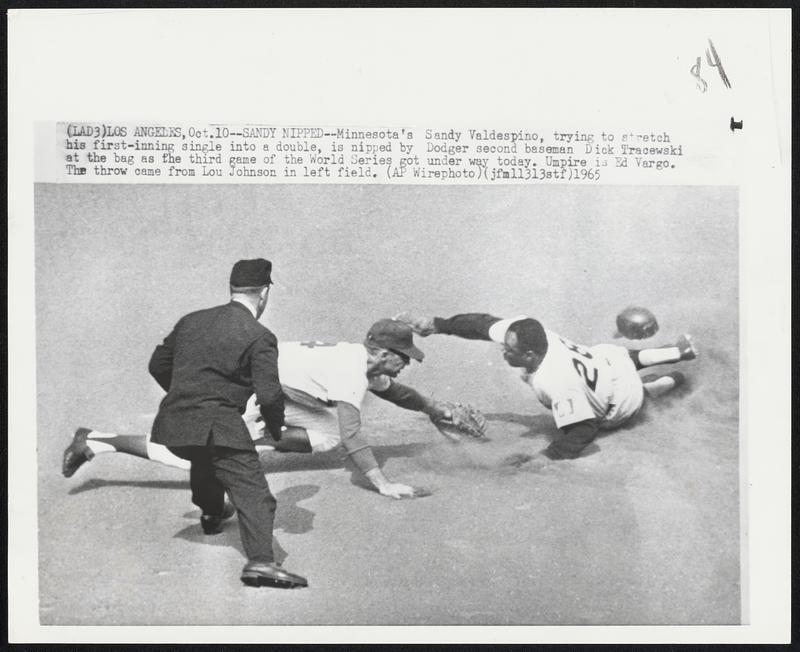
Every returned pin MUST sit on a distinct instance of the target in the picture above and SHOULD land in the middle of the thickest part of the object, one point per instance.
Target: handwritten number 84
(714, 62)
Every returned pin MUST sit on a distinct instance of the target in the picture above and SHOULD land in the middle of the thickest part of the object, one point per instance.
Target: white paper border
(82, 64)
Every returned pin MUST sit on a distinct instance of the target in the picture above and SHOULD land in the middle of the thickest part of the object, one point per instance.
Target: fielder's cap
(395, 336)
(251, 273)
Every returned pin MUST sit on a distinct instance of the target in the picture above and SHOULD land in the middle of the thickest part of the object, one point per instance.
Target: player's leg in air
(87, 443)
(307, 430)
(656, 385)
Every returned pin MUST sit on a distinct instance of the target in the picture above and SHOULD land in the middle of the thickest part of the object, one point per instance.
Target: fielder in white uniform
(586, 388)
(324, 387)
(315, 377)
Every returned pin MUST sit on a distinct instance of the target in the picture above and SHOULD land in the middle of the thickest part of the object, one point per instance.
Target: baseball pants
(217, 469)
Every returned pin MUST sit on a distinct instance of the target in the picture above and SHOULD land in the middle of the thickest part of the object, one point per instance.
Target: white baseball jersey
(328, 371)
(578, 383)
(320, 371)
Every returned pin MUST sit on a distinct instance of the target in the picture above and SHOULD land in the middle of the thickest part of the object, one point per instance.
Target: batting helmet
(636, 323)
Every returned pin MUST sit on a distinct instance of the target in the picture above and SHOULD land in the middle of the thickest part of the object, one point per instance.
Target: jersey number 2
(581, 367)
(583, 372)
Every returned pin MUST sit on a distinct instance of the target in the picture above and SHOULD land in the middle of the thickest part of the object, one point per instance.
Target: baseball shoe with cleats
(213, 524)
(678, 378)
(686, 347)
(259, 573)
(77, 453)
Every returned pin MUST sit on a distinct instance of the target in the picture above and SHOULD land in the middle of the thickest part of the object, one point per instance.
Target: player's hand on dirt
(397, 490)
(517, 459)
(526, 461)
(422, 326)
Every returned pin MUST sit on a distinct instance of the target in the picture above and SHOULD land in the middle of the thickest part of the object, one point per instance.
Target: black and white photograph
(395, 385)
(604, 491)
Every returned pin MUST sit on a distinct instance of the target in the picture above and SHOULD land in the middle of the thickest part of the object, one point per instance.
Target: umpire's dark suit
(209, 365)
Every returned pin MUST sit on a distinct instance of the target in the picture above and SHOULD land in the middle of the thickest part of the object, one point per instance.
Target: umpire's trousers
(217, 469)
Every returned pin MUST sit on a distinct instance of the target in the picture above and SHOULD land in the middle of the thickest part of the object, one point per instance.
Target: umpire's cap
(251, 273)
(395, 336)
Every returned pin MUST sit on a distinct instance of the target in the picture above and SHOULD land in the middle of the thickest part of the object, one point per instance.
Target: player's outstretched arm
(572, 440)
(470, 326)
(408, 398)
(361, 453)
(453, 420)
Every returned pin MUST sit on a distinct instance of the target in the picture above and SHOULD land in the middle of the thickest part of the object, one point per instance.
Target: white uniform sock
(103, 442)
(93, 441)
(659, 386)
(162, 454)
(650, 357)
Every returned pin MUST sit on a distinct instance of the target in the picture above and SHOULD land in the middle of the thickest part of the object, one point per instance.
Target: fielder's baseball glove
(464, 420)
(636, 323)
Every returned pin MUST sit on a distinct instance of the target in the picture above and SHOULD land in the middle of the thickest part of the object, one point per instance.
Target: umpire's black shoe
(213, 524)
(260, 573)
(77, 453)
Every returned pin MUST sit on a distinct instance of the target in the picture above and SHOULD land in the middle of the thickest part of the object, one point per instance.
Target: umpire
(209, 365)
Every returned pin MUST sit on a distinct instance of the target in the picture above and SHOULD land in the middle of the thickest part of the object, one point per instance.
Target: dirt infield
(643, 529)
